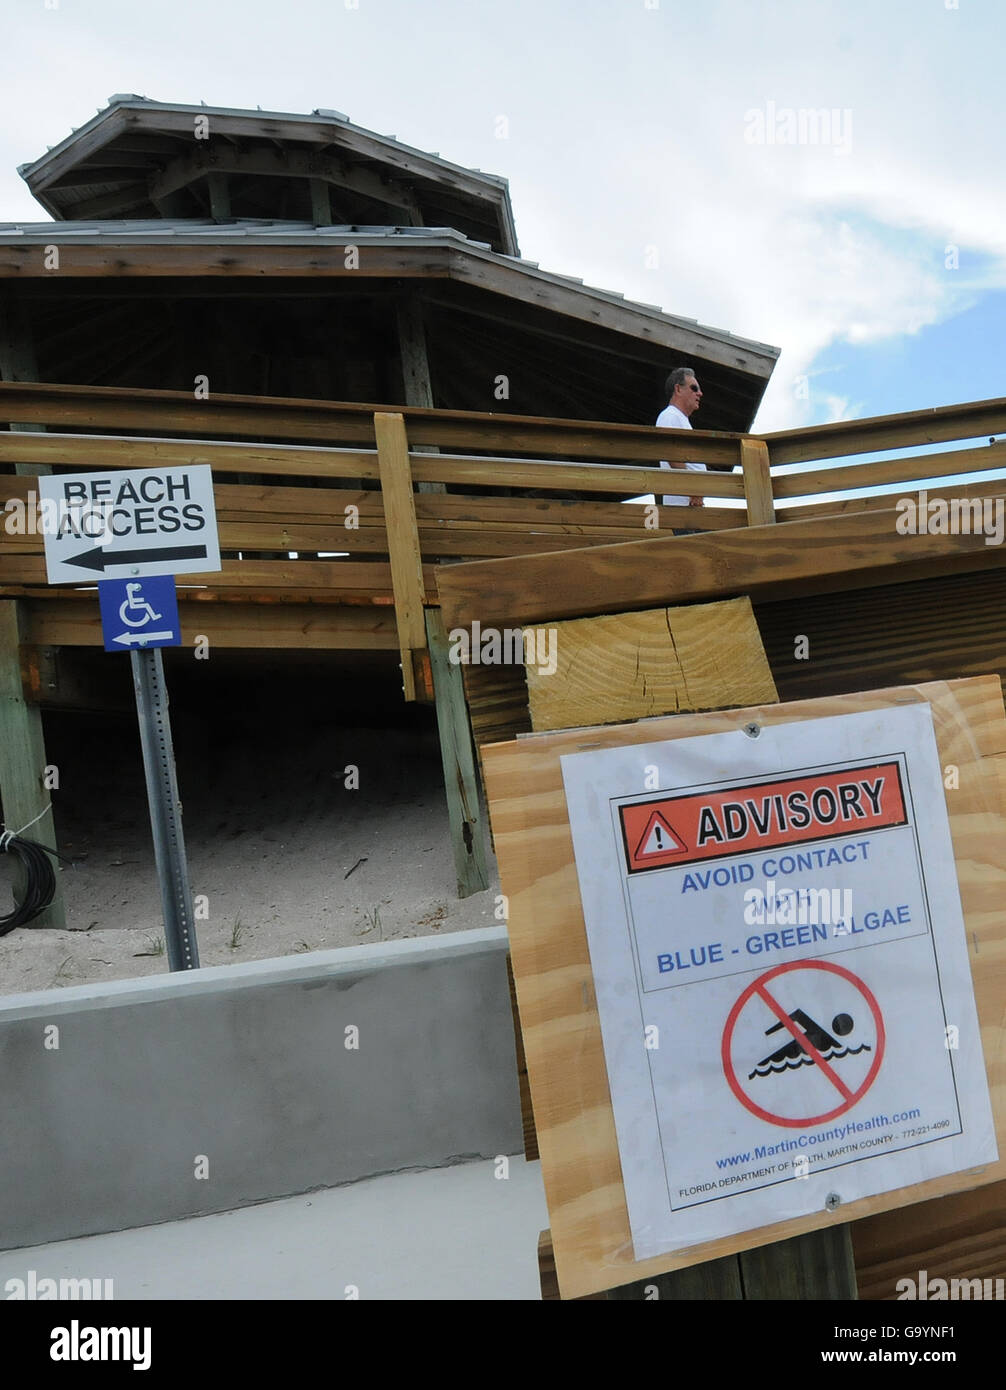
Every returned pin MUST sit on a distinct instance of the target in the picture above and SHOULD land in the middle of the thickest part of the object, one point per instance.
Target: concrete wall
(248, 1066)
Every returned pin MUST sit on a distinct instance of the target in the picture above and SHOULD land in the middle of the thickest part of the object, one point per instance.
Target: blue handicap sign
(138, 614)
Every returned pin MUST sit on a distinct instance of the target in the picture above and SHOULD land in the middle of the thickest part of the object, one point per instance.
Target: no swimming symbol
(836, 1065)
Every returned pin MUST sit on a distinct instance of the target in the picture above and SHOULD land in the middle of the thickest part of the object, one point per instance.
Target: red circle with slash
(849, 1097)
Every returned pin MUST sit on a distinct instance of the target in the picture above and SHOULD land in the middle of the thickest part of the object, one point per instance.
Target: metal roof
(250, 229)
(320, 116)
(269, 232)
(136, 157)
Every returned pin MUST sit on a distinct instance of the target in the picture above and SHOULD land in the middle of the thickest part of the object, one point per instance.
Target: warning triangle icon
(659, 838)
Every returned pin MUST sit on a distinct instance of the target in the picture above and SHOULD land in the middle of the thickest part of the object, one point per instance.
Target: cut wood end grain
(626, 666)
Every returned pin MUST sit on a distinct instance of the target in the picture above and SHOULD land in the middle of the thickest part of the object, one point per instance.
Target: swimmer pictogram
(793, 1054)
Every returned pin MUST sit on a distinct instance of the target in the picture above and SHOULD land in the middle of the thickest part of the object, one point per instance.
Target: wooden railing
(309, 478)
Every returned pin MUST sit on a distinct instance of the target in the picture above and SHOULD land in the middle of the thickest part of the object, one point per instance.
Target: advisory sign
(781, 970)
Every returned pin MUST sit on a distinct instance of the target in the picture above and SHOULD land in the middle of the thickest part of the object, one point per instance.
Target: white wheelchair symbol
(137, 604)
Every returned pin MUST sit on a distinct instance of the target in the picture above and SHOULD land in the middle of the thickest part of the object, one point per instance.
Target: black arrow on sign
(98, 559)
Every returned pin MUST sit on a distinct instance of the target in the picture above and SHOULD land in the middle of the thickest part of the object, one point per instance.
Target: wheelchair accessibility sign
(139, 614)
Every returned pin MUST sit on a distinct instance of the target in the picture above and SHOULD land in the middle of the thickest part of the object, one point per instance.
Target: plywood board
(637, 665)
(551, 962)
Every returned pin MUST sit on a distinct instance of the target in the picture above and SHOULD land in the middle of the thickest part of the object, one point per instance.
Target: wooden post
(220, 196)
(817, 1266)
(22, 754)
(18, 363)
(412, 349)
(403, 540)
(22, 746)
(321, 203)
(757, 482)
(416, 368)
(459, 762)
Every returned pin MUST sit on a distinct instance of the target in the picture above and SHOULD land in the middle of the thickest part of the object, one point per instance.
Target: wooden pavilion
(352, 370)
(212, 272)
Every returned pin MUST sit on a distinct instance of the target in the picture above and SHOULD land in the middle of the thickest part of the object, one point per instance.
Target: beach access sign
(127, 524)
(781, 970)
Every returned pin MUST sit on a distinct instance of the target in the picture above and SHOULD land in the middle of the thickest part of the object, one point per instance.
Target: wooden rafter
(262, 163)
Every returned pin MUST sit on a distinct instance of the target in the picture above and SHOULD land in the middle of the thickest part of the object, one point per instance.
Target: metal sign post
(132, 521)
(165, 810)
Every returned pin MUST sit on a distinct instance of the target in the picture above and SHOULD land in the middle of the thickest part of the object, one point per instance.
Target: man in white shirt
(684, 397)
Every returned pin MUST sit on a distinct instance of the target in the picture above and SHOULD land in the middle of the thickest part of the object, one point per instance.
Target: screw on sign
(803, 1044)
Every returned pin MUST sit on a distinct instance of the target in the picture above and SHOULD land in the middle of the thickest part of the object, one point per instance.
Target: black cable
(41, 880)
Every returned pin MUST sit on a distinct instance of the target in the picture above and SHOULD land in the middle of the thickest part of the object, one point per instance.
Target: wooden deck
(357, 528)
(392, 493)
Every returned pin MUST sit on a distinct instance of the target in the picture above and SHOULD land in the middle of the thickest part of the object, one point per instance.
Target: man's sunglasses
(693, 387)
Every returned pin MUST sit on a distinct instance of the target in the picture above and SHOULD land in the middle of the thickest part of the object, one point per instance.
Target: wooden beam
(120, 408)
(324, 136)
(522, 281)
(273, 627)
(77, 149)
(969, 420)
(626, 666)
(113, 204)
(458, 757)
(962, 1236)
(272, 460)
(467, 264)
(23, 761)
(230, 257)
(935, 491)
(913, 470)
(402, 539)
(262, 163)
(815, 553)
(757, 482)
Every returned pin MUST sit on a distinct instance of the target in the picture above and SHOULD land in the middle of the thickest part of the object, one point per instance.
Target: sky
(825, 177)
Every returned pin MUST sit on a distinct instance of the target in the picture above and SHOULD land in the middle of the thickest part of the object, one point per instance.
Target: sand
(284, 857)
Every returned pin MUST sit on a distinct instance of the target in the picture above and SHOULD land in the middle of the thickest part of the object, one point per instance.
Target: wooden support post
(715, 1281)
(458, 755)
(321, 203)
(403, 541)
(220, 196)
(412, 348)
(816, 1266)
(757, 482)
(18, 363)
(416, 367)
(22, 754)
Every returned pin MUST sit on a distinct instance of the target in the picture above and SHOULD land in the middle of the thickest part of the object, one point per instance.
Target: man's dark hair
(677, 378)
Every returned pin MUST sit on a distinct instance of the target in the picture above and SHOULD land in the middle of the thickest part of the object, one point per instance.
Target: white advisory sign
(115, 525)
(781, 970)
